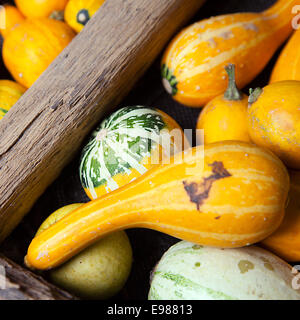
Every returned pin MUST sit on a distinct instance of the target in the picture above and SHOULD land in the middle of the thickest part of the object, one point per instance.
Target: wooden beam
(44, 130)
(17, 283)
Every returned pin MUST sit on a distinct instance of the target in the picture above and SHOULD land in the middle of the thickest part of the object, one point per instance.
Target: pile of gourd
(240, 188)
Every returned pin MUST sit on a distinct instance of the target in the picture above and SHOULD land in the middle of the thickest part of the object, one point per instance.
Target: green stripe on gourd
(169, 80)
(120, 144)
(192, 272)
(3, 112)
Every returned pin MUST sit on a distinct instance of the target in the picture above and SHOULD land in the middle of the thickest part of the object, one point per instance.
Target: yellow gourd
(285, 242)
(79, 12)
(98, 272)
(230, 194)
(40, 8)
(30, 47)
(193, 64)
(274, 120)
(225, 117)
(10, 16)
(10, 93)
(288, 64)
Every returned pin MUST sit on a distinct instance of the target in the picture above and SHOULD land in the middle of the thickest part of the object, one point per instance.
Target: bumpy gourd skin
(31, 46)
(40, 8)
(193, 64)
(285, 241)
(231, 195)
(274, 121)
(287, 66)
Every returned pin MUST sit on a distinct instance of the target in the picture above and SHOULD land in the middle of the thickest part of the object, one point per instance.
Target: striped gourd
(228, 195)
(192, 272)
(10, 93)
(193, 64)
(125, 146)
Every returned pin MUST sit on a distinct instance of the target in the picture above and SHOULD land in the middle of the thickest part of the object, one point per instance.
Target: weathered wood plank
(17, 283)
(43, 131)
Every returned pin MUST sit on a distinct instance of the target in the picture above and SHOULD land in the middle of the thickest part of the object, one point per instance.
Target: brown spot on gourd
(196, 247)
(197, 264)
(267, 264)
(245, 266)
(199, 192)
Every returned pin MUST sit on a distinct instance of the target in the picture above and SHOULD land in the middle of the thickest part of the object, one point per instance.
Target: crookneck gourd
(10, 93)
(31, 46)
(285, 241)
(126, 145)
(41, 8)
(225, 117)
(193, 64)
(288, 64)
(229, 194)
(274, 120)
(79, 12)
(10, 16)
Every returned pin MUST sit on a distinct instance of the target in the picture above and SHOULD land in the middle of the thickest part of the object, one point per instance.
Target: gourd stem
(254, 95)
(57, 15)
(232, 92)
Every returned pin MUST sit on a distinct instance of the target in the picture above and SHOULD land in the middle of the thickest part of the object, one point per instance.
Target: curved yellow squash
(288, 64)
(231, 195)
(193, 64)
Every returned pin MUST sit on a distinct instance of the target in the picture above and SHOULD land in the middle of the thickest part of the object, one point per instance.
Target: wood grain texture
(17, 283)
(43, 131)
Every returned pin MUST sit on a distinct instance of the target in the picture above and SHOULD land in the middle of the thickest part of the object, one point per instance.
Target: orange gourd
(10, 16)
(30, 47)
(231, 195)
(225, 117)
(40, 8)
(193, 64)
(285, 242)
(10, 93)
(79, 12)
(274, 120)
(287, 66)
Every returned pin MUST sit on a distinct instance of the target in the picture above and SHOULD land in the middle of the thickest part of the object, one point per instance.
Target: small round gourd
(126, 145)
(10, 16)
(79, 12)
(274, 120)
(225, 117)
(192, 272)
(40, 8)
(10, 93)
(31, 46)
(98, 272)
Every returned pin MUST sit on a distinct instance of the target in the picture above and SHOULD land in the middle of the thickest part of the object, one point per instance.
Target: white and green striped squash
(192, 272)
(126, 145)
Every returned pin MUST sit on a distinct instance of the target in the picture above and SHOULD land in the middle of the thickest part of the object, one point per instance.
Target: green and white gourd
(118, 148)
(192, 272)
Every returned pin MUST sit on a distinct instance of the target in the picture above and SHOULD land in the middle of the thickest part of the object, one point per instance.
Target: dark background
(148, 246)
